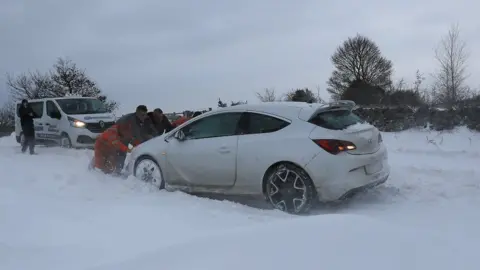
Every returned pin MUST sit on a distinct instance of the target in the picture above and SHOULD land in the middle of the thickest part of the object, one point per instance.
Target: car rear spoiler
(305, 115)
(349, 104)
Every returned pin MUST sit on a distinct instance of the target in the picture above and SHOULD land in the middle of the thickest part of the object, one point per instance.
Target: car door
(259, 147)
(207, 155)
(52, 121)
(38, 121)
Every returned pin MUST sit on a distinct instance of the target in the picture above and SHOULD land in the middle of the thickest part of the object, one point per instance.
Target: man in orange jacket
(180, 121)
(185, 118)
(107, 146)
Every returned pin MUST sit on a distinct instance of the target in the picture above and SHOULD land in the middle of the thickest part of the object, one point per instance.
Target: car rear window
(335, 120)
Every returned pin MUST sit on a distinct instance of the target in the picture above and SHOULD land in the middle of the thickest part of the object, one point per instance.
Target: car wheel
(65, 141)
(147, 170)
(290, 189)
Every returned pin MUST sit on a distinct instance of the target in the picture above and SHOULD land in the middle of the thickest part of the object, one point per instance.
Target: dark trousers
(28, 142)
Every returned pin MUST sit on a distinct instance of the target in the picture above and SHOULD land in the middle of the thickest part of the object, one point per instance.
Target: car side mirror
(179, 135)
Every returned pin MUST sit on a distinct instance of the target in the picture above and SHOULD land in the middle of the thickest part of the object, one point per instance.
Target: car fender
(154, 148)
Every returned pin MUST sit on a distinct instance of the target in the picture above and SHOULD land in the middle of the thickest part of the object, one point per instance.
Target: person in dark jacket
(28, 128)
(150, 126)
(197, 113)
(160, 121)
(132, 129)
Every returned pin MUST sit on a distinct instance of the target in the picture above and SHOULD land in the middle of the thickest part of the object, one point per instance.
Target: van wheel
(65, 141)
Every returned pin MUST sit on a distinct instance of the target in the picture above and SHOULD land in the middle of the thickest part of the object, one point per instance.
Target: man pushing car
(107, 148)
(111, 147)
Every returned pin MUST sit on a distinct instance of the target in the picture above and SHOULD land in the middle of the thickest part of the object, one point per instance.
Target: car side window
(52, 109)
(261, 123)
(37, 107)
(218, 125)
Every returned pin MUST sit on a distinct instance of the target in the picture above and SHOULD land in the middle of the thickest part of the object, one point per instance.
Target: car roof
(55, 98)
(287, 109)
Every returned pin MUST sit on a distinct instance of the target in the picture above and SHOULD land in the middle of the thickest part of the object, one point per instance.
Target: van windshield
(81, 106)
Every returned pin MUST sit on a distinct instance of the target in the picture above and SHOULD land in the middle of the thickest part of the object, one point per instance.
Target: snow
(358, 127)
(55, 214)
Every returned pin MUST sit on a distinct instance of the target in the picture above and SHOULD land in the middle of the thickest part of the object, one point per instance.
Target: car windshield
(81, 106)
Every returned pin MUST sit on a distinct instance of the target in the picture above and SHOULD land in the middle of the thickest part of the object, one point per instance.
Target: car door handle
(47, 124)
(224, 150)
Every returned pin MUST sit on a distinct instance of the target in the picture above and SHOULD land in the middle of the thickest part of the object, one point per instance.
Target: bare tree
(358, 59)
(318, 97)
(419, 78)
(65, 78)
(451, 75)
(30, 85)
(73, 80)
(268, 95)
(7, 116)
(400, 85)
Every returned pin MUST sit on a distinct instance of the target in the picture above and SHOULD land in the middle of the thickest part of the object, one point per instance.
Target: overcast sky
(185, 54)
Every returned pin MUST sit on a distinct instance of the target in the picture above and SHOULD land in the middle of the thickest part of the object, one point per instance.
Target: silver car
(293, 154)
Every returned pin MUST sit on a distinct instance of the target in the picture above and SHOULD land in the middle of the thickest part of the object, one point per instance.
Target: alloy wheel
(148, 171)
(287, 190)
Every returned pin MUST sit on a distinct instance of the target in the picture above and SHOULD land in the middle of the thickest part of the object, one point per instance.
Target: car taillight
(380, 139)
(335, 146)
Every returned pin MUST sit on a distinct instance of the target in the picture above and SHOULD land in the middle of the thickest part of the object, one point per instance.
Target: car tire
(148, 170)
(65, 141)
(289, 188)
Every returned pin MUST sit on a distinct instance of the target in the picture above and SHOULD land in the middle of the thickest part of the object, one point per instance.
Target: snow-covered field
(54, 214)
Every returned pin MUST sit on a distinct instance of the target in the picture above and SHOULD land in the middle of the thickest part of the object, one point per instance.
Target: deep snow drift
(54, 214)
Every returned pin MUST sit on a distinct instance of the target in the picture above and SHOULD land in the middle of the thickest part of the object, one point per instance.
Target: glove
(130, 148)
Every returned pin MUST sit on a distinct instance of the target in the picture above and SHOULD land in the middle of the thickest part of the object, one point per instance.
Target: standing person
(27, 114)
(160, 121)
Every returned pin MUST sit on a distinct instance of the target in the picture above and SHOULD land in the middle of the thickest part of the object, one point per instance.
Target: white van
(67, 121)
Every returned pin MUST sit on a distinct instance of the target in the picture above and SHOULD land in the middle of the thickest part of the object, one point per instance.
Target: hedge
(405, 117)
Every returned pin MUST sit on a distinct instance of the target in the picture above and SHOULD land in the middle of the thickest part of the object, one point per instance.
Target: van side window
(37, 107)
(52, 109)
